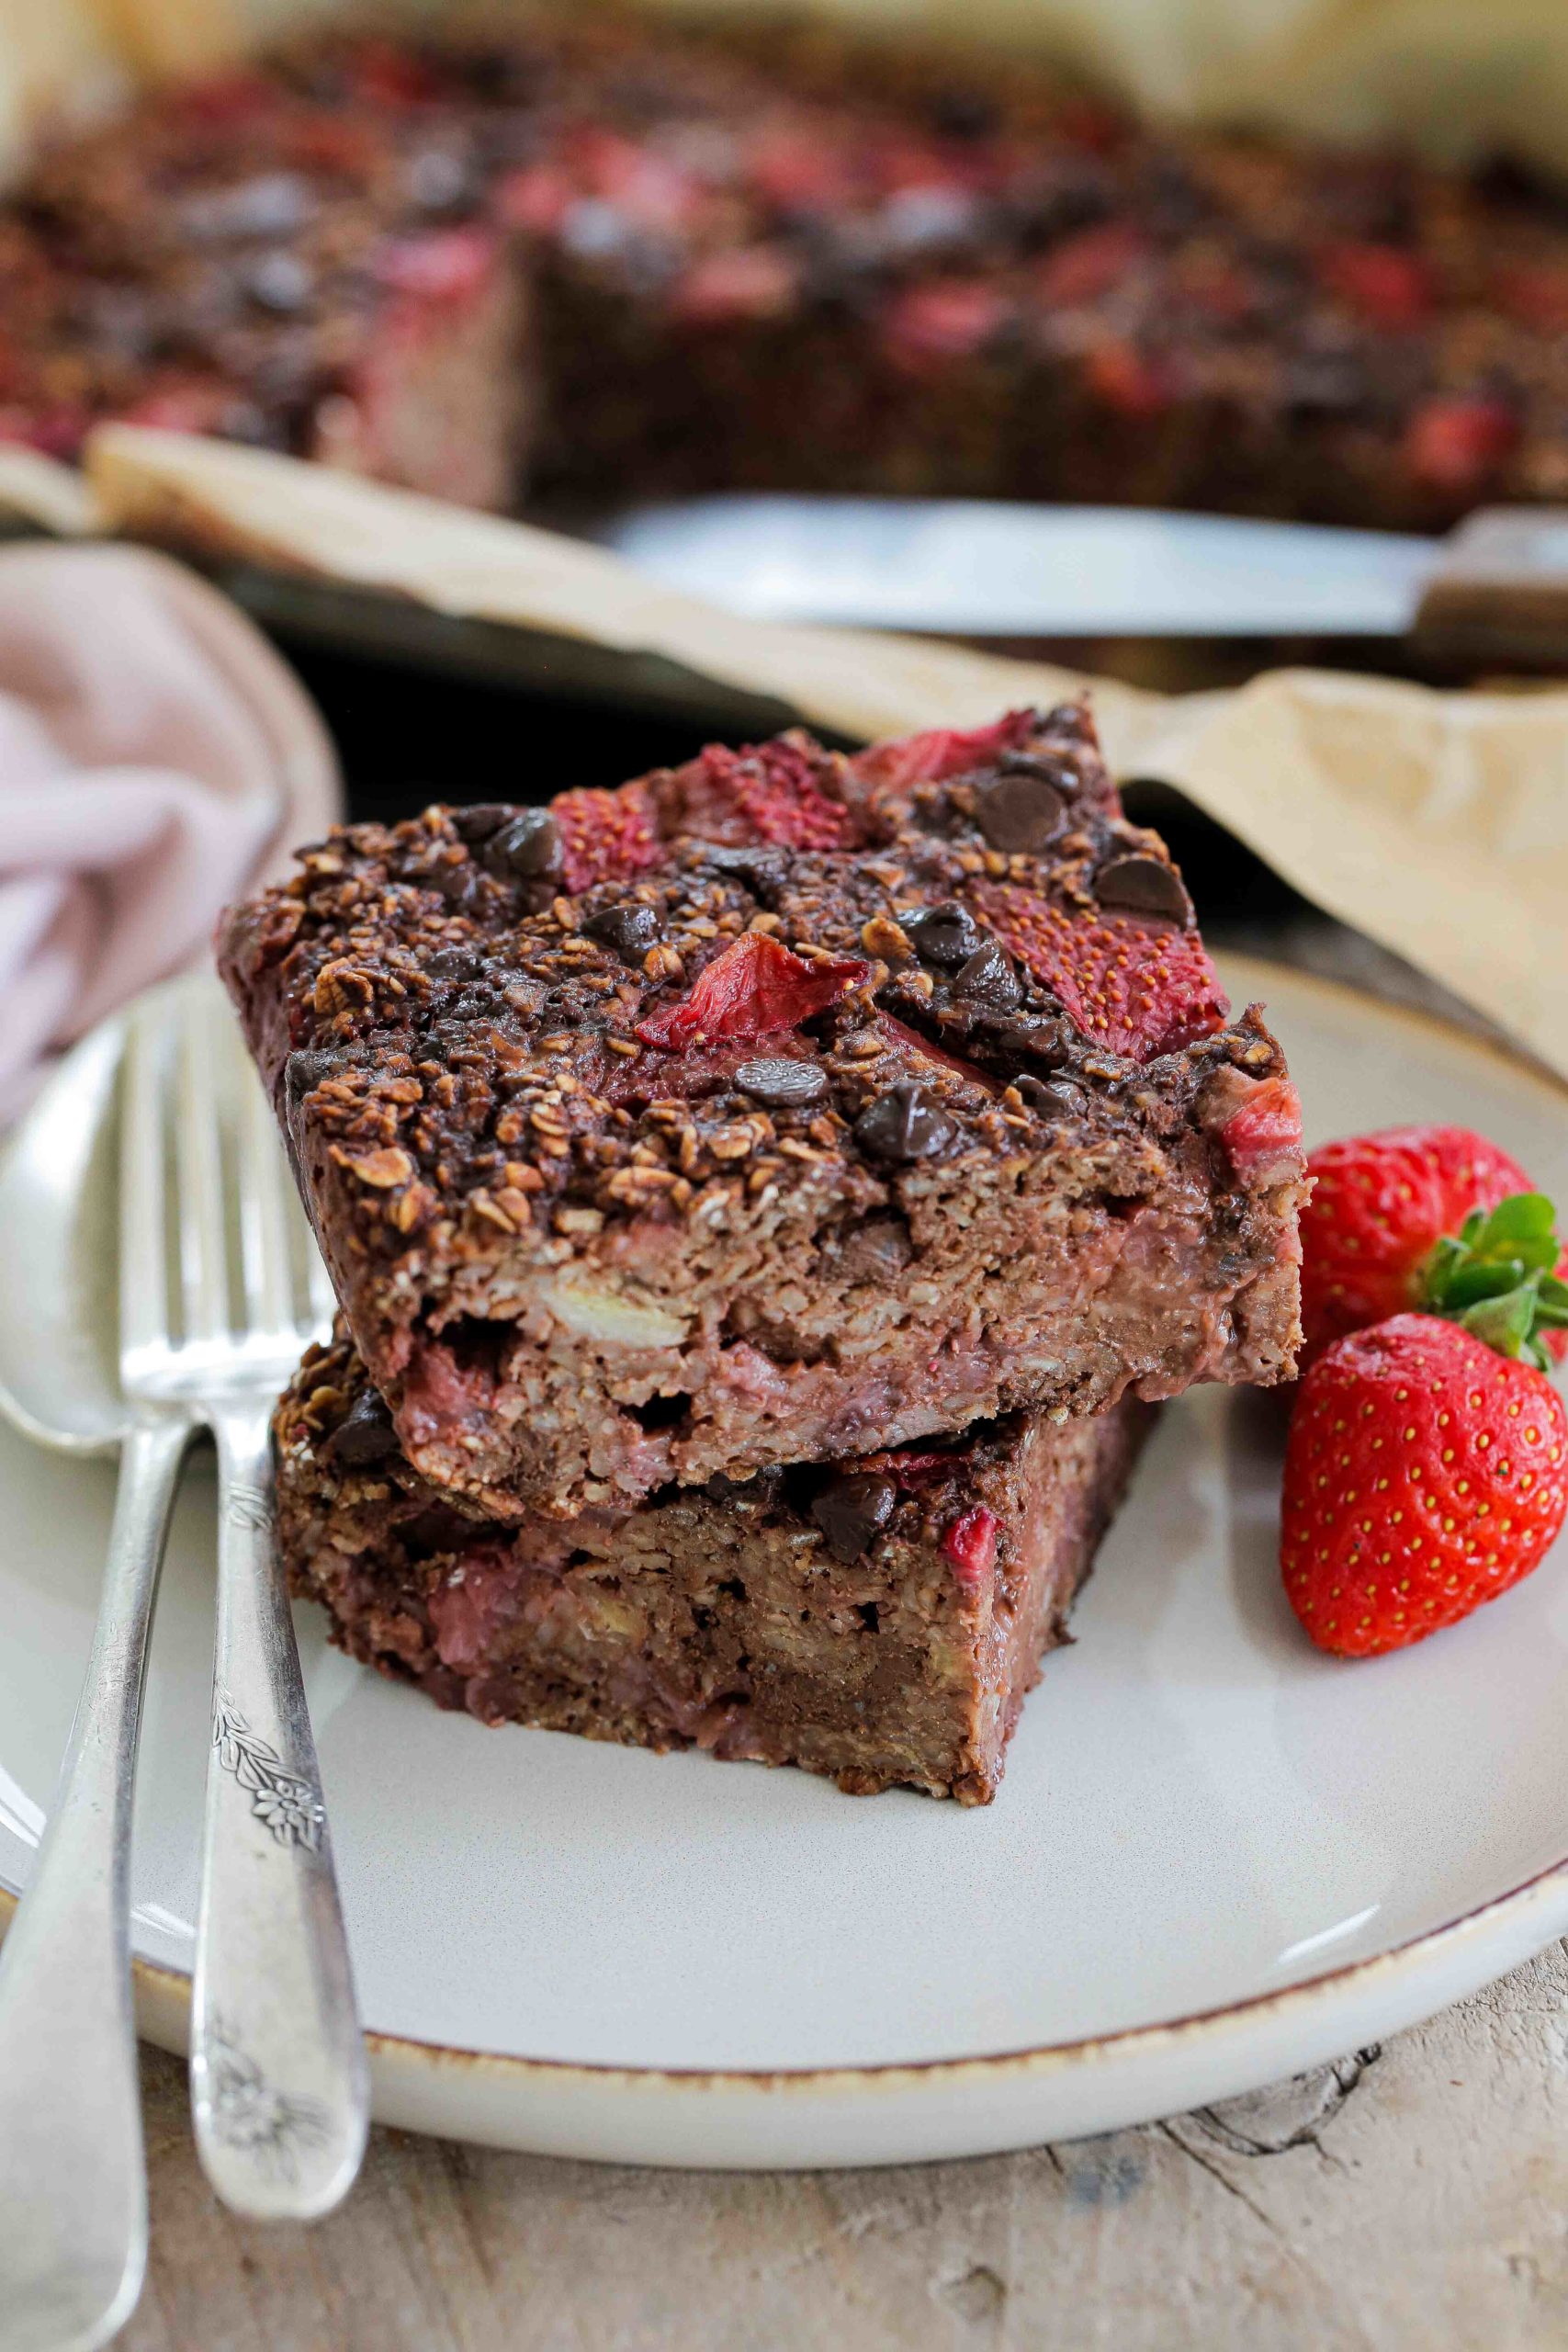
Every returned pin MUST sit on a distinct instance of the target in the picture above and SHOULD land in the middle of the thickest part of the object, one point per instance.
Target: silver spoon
(138, 1205)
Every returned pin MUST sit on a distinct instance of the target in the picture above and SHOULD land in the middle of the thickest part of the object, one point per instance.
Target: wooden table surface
(1411, 2196)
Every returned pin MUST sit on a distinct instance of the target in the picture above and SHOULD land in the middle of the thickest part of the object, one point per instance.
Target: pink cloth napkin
(156, 758)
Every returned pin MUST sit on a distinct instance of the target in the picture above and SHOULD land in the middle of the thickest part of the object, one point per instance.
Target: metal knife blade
(985, 568)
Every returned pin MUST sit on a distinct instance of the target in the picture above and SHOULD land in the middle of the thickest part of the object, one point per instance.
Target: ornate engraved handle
(73, 2181)
(280, 2084)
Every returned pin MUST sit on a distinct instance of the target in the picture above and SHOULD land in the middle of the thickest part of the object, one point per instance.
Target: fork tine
(265, 1208)
(143, 1281)
(199, 1168)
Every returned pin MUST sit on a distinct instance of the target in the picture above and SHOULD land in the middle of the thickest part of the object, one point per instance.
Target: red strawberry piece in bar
(770, 792)
(754, 987)
(877, 1627)
(605, 835)
(1136, 984)
(748, 1116)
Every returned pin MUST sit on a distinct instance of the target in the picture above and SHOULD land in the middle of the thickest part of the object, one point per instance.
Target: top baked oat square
(778, 1107)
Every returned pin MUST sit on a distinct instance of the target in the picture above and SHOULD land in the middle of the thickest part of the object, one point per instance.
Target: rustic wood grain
(1406, 2197)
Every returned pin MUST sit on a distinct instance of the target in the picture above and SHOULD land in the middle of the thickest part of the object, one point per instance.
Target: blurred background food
(1270, 257)
(590, 255)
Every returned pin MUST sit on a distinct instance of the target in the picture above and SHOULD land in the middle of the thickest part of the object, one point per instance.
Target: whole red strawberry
(1384, 1210)
(1424, 1473)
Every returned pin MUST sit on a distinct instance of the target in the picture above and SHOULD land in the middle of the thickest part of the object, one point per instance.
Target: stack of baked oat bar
(762, 1201)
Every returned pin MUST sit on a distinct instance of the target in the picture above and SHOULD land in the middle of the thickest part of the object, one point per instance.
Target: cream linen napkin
(1436, 823)
(155, 758)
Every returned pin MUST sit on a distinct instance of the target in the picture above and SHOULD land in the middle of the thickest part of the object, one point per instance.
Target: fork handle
(73, 2177)
(280, 2084)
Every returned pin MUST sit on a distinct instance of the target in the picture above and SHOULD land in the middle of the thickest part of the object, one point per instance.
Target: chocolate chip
(903, 1124)
(1019, 811)
(525, 848)
(947, 935)
(1144, 885)
(364, 1433)
(782, 1085)
(454, 963)
(851, 1511)
(455, 882)
(1054, 1098)
(762, 1487)
(762, 871)
(630, 929)
(989, 980)
(483, 819)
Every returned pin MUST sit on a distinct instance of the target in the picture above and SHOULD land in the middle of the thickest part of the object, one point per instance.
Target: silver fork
(219, 1289)
(279, 2087)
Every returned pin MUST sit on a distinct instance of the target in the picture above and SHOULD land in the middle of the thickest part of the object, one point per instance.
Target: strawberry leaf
(1496, 1277)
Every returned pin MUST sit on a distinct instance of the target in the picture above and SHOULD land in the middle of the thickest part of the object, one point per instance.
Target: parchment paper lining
(1435, 822)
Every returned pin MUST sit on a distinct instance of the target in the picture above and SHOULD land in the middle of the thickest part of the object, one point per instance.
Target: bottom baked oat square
(880, 1620)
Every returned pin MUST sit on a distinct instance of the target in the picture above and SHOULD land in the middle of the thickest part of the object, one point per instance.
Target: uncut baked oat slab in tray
(881, 1621)
(780, 1107)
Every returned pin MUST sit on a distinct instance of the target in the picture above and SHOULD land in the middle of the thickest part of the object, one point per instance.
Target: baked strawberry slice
(605, 835)
(1426, 1473)
(1136, 985)
(770, 792)
(1402, 1219)
(753, 988)
(971, 1544)
(943, 752)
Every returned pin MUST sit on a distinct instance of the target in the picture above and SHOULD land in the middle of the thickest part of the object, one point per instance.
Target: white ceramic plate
(1217, 1856)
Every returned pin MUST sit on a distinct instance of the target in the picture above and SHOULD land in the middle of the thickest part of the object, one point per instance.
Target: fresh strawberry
(757, 985)
(1397, 1220)
(770, 792)
(1135, 985)
(1424, 1473)
(607, 834)
(943, 752)
(971, 1544)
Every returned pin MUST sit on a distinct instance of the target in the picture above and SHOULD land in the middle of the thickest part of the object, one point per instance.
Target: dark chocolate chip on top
(527, 848)
(989, 980)
(481, 820)
(1054, 1098)
(780, 1082)
(631, 929)
(1144, 885)
(904, 1123)
(946, 935)
(851, 1512)
(1020, 810)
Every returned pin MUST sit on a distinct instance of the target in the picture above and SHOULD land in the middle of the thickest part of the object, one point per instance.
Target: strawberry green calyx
(1497, 1277)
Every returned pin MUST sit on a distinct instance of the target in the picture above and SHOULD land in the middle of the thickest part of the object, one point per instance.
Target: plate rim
(171, 1987)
